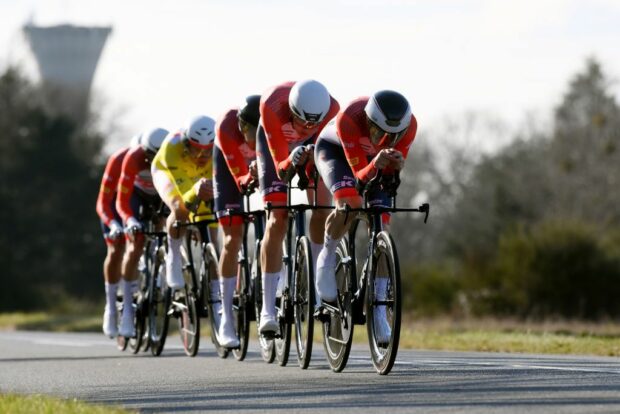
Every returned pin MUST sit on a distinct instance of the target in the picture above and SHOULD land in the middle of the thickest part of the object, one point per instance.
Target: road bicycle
(295, 305)
(194, 301)
(247, 298)
(358, 301)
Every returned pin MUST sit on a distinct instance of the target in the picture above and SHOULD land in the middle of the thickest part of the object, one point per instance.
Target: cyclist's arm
(233, 156)
(405, 143)
(278, 147)
(350, 134)
(108, 189)
(126, 185)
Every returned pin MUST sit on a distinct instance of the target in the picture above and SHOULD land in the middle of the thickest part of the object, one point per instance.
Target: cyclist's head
(309, 101)
(199, 137)
(151, 141)
(248, 117)
(389, 116)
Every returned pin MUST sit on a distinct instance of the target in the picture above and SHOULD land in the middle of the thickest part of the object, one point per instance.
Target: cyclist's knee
(116, 251)
(232, 239)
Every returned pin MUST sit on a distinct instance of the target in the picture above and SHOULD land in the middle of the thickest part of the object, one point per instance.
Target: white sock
(331, 244)
(381, 288)
(174, 249)
(214, 286)
(227, 287)
(111, 290)
(316, 249)
(381, 294)
(270, 284)
(129, 287)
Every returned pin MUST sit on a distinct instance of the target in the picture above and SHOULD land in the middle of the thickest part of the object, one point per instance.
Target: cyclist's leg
(170, 196)
(318, 219)
(339, 179)
(133, 251)
(112, 276)
(227, 196)
(273, 190)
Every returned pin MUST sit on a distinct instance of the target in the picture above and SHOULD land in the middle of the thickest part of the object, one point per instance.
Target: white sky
(169, 60)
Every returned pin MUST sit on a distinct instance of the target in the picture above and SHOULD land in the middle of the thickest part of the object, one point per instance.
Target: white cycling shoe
(383, 332)
(326, 276)
(268, 324)
(110, 321)
(174, 274)
(128, 330)
(226, 335)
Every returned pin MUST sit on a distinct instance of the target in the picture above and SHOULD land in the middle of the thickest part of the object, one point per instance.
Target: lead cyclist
(370, 134)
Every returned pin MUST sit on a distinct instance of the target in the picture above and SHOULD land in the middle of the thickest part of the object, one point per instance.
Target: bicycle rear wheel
(159, 303)
(384, 346)
(338, 330)
(210, 273)
(267, 347)
(303, 301)
(242, 309)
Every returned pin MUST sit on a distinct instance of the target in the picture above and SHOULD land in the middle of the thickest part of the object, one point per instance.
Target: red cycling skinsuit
(344, 152)
(231, 158)
(277, 135)
(135, 187)
(106, 200)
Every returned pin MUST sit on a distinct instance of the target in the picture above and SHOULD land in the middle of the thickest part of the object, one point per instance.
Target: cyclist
(182, 171)
(113, 235)
(370, 134)
(292, 116)
(234, 170)
(135, 193)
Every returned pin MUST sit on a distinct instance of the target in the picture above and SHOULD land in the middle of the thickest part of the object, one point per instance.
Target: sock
(214, 286)
(174, 249)
(381, 294)
(316, 249)
(331, 244)
(111, 290)
(129, 287)
(227, 287)
(270, 284)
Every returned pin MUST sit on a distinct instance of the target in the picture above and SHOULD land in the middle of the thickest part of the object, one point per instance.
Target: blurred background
(517, 148)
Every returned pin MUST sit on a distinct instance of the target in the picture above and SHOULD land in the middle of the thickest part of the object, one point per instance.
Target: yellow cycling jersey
(174, 159)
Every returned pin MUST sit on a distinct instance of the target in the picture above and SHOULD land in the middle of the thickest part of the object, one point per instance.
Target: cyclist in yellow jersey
(182, 172)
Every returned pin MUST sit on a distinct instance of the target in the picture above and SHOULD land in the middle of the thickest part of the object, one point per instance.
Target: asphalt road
(89, 367)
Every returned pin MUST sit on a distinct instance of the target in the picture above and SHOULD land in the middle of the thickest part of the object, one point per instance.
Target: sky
(167, 61)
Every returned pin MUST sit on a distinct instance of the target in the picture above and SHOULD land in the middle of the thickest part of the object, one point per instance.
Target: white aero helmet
(309, 100)
(390, 112)
(135, 140)
(201, 131)
(151, 140)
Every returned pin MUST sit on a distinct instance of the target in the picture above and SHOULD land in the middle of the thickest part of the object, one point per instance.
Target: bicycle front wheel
(383, 295)
(159, 303)
(209, 274)
(338, 330)
(303, 302)
(267, 347)
(242, 310)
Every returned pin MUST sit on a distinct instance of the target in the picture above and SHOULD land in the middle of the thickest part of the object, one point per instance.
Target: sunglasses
(305, 124)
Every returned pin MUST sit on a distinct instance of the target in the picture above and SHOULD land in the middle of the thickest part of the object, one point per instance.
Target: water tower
(67, 58)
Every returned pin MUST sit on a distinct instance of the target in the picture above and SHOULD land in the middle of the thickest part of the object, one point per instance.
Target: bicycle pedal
(322, 314)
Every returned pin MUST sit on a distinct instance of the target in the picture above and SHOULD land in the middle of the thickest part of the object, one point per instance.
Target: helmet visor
(305, 124)
(382, 138)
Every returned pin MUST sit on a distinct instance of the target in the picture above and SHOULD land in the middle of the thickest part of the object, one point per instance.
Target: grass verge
(17, 404)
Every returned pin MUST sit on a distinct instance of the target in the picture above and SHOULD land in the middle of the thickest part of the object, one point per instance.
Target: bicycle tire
(210, 264)
(267, 347)
(121, 341)
(303, 301)
(189, 323)
(159, 303)
(338, 331)
(384, 355)
(241, 309)
(284, 310)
